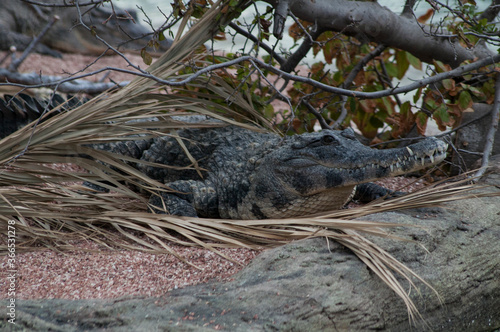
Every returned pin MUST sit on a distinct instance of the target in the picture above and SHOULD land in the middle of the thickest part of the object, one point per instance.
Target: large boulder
(312, 285)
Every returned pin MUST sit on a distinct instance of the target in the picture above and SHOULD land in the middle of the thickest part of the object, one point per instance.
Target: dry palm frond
(51, 209)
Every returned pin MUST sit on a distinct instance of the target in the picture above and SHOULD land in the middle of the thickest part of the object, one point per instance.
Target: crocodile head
(306, 170)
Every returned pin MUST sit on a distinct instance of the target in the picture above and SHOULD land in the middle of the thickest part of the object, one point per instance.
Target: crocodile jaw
(394, 162)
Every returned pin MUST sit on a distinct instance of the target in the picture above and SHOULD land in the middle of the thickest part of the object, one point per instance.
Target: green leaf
(475, 91)
(414, 61)
(402, 63)
(405, 107)
(146, 57)
(417, 95)
(269, 111)
(389, 107)
(449, 84)
(442, 117)
(161, 36)
(375, 123)
(329, 52)
(441, 67)
(352, 104)
(392, 70)
(464, 100)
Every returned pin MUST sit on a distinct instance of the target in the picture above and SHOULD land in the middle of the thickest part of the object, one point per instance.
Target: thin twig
(264, 46)
(459, 71)
(363, 62)
(318, 115)
(16, 63)
(12, 50)
(301, 52)
(106, 43)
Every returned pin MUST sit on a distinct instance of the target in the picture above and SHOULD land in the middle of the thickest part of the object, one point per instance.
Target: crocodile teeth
(409, 151)
(392, 168)
(432, 158)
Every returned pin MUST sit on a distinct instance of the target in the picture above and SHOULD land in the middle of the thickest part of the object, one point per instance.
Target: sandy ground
(104, 273)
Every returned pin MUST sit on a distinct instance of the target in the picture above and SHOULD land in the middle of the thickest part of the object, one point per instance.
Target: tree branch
(301, 52)
(48, 81)
(382, 93)
(408, 8)
(318, 115)
(66, 4)
(264, 46)
(354, 72)
(375, 23)
(491, 12)
(73, 84)
(280, 13)
(490, 137)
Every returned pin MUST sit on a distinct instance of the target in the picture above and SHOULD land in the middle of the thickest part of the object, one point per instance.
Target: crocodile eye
(328, 140)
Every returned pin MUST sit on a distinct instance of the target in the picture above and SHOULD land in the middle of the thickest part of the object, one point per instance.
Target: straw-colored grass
(51, 207)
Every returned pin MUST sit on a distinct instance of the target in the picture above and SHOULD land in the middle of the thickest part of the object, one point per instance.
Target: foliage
(379, 119)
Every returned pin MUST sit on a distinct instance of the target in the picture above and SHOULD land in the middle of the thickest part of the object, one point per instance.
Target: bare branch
(264, 46)
(67, 4)
(354, 72)
(327, 88)
(490, 137)
(280, 13)
(491, 12)
(73, 84)
(382, 93)
(372, 22)
(318, 115)
(301, 52)
(17, 62)
(106, 43)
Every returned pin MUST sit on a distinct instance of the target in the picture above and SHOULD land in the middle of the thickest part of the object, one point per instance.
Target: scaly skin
(252, 175)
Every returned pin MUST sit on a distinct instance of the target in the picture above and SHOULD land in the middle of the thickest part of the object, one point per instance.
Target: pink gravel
(100, 274)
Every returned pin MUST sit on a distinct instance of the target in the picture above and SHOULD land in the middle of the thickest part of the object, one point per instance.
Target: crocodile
(254, 175)
(247, 174)
(20, 21)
